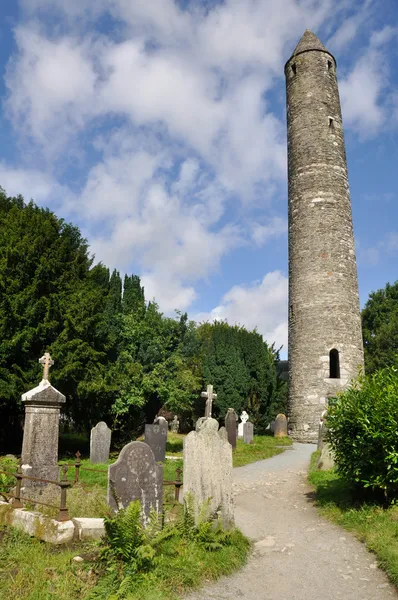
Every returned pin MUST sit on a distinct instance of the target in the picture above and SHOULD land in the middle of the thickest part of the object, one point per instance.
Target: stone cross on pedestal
(40, 437)
(47, 362)
(210, 396)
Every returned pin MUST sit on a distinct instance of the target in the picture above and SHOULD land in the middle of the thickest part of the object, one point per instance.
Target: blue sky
(159, 128)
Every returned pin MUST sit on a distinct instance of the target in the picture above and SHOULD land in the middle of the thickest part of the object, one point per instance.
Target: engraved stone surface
(41, 430)
(156, 438)
(208, 470)
(136, 476)
(324, 312)
(230, 425)
(280, 428)
(248, 432)
(100, 443)
(244, 417)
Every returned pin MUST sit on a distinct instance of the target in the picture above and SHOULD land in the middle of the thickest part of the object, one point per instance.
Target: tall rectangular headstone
(156, 438)
(248, 432)
(41, 430)
(208, 470)
(280, 428)
(230, 426)
(136, 476)
(100, 443)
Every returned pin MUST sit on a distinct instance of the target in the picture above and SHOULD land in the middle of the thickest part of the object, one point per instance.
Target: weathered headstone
(136, 476)
(321, 431)
(326, 459)
(248, 432)
(100, 443)
(280, 428)
(230, 425)
(156, 438)
(175, 425)
(208, 470)
(40, 438)
(244, 417)
(210, 395)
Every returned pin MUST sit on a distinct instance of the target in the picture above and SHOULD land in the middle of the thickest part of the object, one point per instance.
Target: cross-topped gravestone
(40, 438)
(47, 362)
(210, 396)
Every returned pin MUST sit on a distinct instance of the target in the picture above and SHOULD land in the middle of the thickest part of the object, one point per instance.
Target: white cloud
(274, 228)
(32, 183)
(184, 98)
(261, 305)
(363, 89)
(348, 30)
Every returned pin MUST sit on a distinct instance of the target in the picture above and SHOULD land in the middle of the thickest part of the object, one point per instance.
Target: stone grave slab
(41, 430)
(208, 470)
(230, 426)
(280, 427)
(156, 438)
(100, 443)
(136, 476)
(248, 432)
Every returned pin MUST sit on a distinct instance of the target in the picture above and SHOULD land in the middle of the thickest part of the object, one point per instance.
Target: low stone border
(50, 530)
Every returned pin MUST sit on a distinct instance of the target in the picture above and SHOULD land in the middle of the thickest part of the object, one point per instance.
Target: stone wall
(324, 310)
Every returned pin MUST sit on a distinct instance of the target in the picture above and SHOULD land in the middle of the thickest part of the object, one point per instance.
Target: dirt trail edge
(299, 555)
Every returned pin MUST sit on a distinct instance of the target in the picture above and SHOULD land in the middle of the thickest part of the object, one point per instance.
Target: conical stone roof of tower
(309, 41)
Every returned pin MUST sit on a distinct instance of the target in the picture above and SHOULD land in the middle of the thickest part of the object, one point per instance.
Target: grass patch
(33, 570)
(373, 524)
(263, 446)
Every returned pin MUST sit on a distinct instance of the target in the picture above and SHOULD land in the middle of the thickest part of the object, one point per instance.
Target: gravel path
(298, 555)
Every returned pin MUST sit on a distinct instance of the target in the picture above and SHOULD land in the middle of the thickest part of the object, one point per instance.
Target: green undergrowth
(372, 523)
(141, 564)
(33, 570)
(131, 564)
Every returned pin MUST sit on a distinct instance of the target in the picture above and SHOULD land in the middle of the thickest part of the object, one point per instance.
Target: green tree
(242, 368)
(51, 298)
(158, 368)
(380, 328)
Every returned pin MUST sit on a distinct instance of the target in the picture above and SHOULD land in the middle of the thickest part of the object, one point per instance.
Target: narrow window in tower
(330, 65)
(294, 68)
(334, 364)
(331, 123)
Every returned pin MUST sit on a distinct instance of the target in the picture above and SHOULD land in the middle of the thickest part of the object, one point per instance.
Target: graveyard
(162, 491)
(198, 388)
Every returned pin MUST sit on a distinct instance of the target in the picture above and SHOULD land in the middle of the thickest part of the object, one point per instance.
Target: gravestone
(230, 425)
(208, 470)
(321, 431)
(156, 438)
(326, 459)
(248, 432)
(280, 427)
(100, 443)
(136, 476)
(41, 430)
(175, 425)
(244, 417)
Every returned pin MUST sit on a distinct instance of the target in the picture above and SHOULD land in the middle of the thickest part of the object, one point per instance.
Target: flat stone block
(88, 529)
(43, 528)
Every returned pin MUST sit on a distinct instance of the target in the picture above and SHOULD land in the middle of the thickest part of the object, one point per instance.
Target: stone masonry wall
(324, 310)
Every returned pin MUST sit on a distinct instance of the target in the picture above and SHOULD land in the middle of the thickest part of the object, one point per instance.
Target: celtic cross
(47, 362)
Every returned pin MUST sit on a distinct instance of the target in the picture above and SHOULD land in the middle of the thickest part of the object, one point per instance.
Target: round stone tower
(325, 337)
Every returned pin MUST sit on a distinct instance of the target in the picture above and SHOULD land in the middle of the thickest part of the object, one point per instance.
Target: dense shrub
(363, 432)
